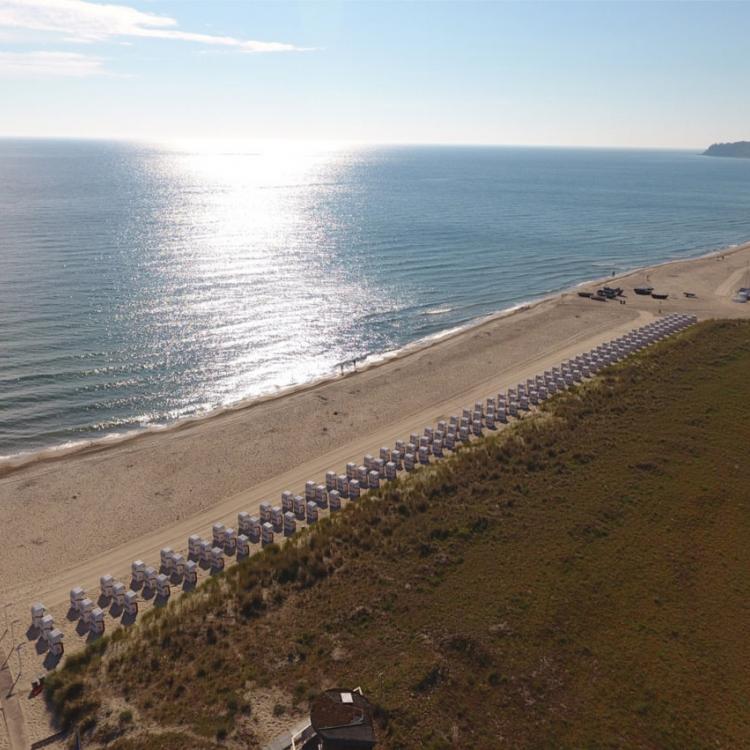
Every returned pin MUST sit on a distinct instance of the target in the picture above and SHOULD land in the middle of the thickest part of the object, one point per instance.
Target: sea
(146, 283)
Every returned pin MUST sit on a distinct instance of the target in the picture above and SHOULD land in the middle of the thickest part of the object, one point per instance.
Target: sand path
(741, 277)
(13, 718)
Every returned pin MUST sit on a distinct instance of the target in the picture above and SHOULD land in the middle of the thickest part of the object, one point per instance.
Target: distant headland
(740, 149)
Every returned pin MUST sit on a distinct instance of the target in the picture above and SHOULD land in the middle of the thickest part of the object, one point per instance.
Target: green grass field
(578, 581)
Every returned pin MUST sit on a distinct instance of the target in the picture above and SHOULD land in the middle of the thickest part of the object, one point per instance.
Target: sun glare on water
(254, 220)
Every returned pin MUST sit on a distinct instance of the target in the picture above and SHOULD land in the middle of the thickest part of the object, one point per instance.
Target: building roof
(343, 719)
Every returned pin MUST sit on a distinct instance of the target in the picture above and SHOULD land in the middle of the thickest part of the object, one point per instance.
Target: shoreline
(18, 461)
(12, 463)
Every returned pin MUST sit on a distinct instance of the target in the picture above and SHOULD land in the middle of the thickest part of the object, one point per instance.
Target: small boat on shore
(644, 290)
(659, 296)
(586, 294)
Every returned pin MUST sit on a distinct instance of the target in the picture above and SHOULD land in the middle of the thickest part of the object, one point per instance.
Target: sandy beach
(68, 520)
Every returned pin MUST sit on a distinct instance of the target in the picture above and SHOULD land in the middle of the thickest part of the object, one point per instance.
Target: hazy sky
(624, 74)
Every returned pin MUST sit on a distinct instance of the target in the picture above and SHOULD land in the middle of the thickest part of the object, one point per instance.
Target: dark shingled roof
(343, 725)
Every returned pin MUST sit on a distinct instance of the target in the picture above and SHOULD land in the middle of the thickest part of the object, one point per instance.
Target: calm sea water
(140, 284)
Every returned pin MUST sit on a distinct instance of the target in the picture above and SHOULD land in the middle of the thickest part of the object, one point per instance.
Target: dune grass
(578, 581)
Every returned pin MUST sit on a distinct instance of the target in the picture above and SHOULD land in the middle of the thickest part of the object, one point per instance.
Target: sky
(627, 74)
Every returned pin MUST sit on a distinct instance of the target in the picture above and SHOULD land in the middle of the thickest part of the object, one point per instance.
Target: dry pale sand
(67, 521)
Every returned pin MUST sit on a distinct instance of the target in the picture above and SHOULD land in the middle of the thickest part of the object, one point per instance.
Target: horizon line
(343, 142)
